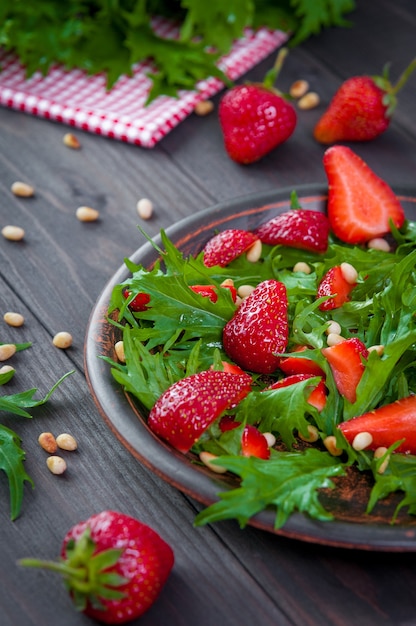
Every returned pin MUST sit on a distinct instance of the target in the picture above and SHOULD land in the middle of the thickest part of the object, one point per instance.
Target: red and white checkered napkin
(82, 101)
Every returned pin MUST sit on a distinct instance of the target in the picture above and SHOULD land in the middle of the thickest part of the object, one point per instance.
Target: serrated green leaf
(11, 462)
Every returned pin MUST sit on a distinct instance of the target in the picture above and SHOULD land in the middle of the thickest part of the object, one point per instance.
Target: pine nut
(48, 442)
(378, 453)
(245, 290)
(313, 434)
(330, 444)
(87, 214)
(66, 442)
(254, 252)
(270, 438)
(299, 88)
(207, 457)
(22, 189)
(13, 233)
(145, 208)
(333, 328)
(309, 101)
(334, 339)
(119, 348)
(378, 243)
(205, 107)
(62, 340)
(6, 369)
(71, 141)
(349, 273)
(13, 319)
(302, 267)
(362, 440)
(7, 350)
(379, 349)
(228, 282)
(56, 464)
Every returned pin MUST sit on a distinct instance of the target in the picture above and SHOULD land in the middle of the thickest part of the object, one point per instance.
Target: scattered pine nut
(378, 243)
(87, 214)
(254, 252)
(313, 434)
(379, 349)
(13, 319)
(48, 442)
(330, 444)
(334, 339)
(228, 282)
(66, 442)
(13, 233)
(349, 273)
(62, 340)
(5, 369)
(7, 350)
(71, 141)
(333, 328)
(205, 107)
(207, 457)
(145, 208)
(362, 440)
(301, 266)
(22, 190)
(56, 464)
(299, 88)
(309, 101)
(245, 290)
(378, 453)
(119, 348)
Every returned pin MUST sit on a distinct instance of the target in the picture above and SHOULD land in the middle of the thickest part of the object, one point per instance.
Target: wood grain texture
(222, 575)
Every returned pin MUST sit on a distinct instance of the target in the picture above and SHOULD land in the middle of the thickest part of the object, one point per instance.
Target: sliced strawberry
(307, 230)
(334, 284)
(227, 422)
(317, 396)
(259, 328)
(299, 365)
(254, 443)
(227, 246)
(387, 424)
(345, 360)
(139, 302)
(211, 292)
(360, 204)
(189, 406)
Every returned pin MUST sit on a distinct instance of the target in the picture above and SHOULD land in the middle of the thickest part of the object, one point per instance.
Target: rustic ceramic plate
(352, 527)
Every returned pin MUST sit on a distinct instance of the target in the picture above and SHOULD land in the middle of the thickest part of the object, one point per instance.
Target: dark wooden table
(222, 575)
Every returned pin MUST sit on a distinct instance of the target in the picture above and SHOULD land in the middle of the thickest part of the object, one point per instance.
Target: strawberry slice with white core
(189, 406)
(227, 245)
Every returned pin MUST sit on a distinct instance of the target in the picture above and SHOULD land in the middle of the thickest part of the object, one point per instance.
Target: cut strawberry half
(187, 408)
(346, 362)
(226, 246)
(254, 443)
(300, 365)
(387, 424)
(334, 285)
(211, 292)
(299, 228)
(139, 302)
(360, 204)
(317, 397)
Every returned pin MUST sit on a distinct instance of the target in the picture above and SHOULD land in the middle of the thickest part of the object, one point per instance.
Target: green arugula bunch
(180, 333)
(110, 36)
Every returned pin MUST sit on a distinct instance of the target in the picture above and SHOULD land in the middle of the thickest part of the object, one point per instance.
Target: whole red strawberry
(255, 119)
(114, 566)
(361, 109)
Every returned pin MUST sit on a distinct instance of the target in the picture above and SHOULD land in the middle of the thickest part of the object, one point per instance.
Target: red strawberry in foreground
(386, 425)
(259, 328)
(227, 246)
(189, 406)
(299, 228)
(360, 204)
(345, 360)
(255, 119)
(113, 565)
(361, 109)
(254, 443)
(335, 285)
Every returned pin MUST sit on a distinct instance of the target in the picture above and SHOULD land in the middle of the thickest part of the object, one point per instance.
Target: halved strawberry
(317, 397)
(211, 292)
(227, 422)
(298, 228)
(387, 424)
(334, 284)
(299, 365)
(345, 360)
(259, 328)
(227, 246)
(139, 302)
(360, 204)
(186, 409)
(254, 443)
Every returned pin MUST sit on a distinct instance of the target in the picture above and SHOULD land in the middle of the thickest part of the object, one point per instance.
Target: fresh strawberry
(259, 328)
(300, 228)
(334, 284)
(190, 405)
(254, 443)
(211, 292)
(227, 246)
(113, 565)
(139, 302)
(346, 362)
(360, 204)
(227, 422)
(317, 397)
(387, 424)
(299, 365)
(361, 109)
(255, 118)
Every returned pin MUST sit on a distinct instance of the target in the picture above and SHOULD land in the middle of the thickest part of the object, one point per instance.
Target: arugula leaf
(400, 475)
